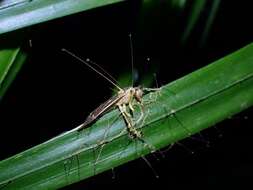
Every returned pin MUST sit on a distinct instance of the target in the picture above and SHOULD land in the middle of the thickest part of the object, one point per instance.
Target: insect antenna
(132, 57)
(156, 81)
(94, 69)
(108, 75)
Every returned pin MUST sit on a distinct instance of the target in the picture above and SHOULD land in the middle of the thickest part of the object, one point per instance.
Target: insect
(123, 100)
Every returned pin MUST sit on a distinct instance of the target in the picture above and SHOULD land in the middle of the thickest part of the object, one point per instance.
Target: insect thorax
(128, 94)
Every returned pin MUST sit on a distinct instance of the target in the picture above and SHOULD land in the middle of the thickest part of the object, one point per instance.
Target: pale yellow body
(128, 96)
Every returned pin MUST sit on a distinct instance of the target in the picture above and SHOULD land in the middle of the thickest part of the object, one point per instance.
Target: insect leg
(103, 142)
(127, 117)
(151, 89)
(96, 160)
(142, 112)
(150, 166)
(131, 106)
(126, 113)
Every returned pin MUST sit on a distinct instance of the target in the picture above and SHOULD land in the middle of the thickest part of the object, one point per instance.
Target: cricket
(123, 100)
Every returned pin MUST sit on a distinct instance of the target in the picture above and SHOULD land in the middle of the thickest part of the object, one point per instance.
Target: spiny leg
(98, 156)
(158, 89)
(130, 103)
(127, 117)
(124, 111)
(151, 89)
(103, 142)
(136, 134)
(131, 106)
(152, 96)
(151, 149)
(142, 112)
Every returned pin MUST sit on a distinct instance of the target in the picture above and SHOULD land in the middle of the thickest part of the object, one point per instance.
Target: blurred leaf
(12, 57)
(179, 4)
(210, 20)
(195, 14)
(17, 14)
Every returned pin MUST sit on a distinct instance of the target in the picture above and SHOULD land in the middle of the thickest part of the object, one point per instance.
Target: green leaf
(21, 13)
(209, 21)
(197, 8)
(181, 108)
(12, 58)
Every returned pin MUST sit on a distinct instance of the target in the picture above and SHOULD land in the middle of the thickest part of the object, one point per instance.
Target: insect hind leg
(187, 130)
(127, 117)
(151, 149)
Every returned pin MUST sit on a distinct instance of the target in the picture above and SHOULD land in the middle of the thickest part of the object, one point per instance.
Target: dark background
(54, 93)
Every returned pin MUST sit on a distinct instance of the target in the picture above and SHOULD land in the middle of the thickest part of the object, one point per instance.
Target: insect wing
(103, 108)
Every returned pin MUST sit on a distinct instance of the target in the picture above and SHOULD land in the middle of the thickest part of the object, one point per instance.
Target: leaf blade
(11, 61)
(201, 99)
(33, 12)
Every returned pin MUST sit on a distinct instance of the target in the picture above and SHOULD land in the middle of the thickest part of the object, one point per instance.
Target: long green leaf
(21, 13)
(181, 108)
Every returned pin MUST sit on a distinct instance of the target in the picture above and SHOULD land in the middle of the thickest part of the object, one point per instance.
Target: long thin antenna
(87, 64)
(108, 75)
(132, 57)
(156, 82)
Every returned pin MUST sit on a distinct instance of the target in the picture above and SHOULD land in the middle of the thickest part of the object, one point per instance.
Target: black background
(53, 93)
